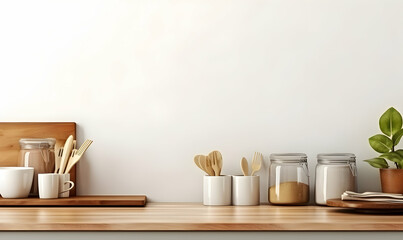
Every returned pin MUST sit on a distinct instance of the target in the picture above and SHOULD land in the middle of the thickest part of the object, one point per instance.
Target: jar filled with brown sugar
(289, 179)
(38, 153)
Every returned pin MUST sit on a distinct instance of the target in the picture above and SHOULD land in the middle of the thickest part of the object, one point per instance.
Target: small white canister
(245, 190)
(217, 190)
(335, 174)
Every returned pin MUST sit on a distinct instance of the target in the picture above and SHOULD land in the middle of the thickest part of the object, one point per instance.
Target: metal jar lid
(336, 158)
(288, 157)
(37, 143)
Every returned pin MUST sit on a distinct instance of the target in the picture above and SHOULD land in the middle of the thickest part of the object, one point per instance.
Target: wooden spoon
(244, 166)
(68, 146)
(256, 162)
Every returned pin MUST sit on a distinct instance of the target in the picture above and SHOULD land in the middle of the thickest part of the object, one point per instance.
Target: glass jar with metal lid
(335, 174)
(289, 179)
(38, 153)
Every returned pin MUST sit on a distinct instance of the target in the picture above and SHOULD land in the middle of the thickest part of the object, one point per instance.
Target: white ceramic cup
(48, 184)
(64, 182)
(245, 190)
(217, 190)
(16, 182)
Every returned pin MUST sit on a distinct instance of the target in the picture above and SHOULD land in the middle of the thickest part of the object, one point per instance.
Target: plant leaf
(400, 152)
(377, 162)
(397, 136)
(390, 122)
(381, 143)
(394, 157)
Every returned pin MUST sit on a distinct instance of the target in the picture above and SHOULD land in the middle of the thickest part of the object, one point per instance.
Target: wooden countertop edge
(188, 217)
(175, 227)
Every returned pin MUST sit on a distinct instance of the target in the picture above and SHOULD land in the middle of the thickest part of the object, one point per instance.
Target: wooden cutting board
(12, 132)
(364, 205)
(88, 201)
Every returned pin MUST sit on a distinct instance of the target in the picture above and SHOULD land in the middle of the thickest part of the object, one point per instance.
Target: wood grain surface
(364, 204)
(12, 132)
(93, 201)
(195, 217)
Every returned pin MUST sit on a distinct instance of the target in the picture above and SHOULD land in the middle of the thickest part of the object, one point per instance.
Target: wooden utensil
(68, 146)
(207, 165)
(244, 166)
(215, 166)
(202, 162)
(256, 162)
(73, 153)
(217, 157)
(197, 162)
(77, 154)
(58, 159)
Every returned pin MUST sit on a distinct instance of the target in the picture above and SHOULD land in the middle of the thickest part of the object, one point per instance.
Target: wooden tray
(77, 201)
(366, 206)
(11, 132)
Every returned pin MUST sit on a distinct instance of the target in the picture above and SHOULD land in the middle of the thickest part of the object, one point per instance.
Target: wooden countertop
(194, 217)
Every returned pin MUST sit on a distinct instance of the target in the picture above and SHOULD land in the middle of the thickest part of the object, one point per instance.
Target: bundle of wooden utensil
(211, 164)
(68, 155)
(256, 164)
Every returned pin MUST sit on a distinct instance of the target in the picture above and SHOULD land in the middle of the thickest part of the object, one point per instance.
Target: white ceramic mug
(64, 181)
(217, 190)
(246, 190)
(16, 182)
(48, 184)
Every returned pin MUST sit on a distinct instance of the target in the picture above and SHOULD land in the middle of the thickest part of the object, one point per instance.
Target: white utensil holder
(245, 190)
(217, 190)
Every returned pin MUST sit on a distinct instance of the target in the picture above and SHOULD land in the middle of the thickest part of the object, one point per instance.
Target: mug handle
(71, 187)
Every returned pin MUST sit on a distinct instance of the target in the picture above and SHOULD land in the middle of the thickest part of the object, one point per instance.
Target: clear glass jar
(289, 179)
(38, 153)
(335, 174)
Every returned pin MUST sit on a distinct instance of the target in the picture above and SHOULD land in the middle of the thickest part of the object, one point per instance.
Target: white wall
(155, 82)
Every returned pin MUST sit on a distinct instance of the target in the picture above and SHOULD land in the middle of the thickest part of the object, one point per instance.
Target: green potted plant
(390, 124)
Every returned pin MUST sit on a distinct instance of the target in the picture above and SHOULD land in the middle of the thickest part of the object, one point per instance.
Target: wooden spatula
(207, 165)
(198, 162)
(244, 166)
(202, 162)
